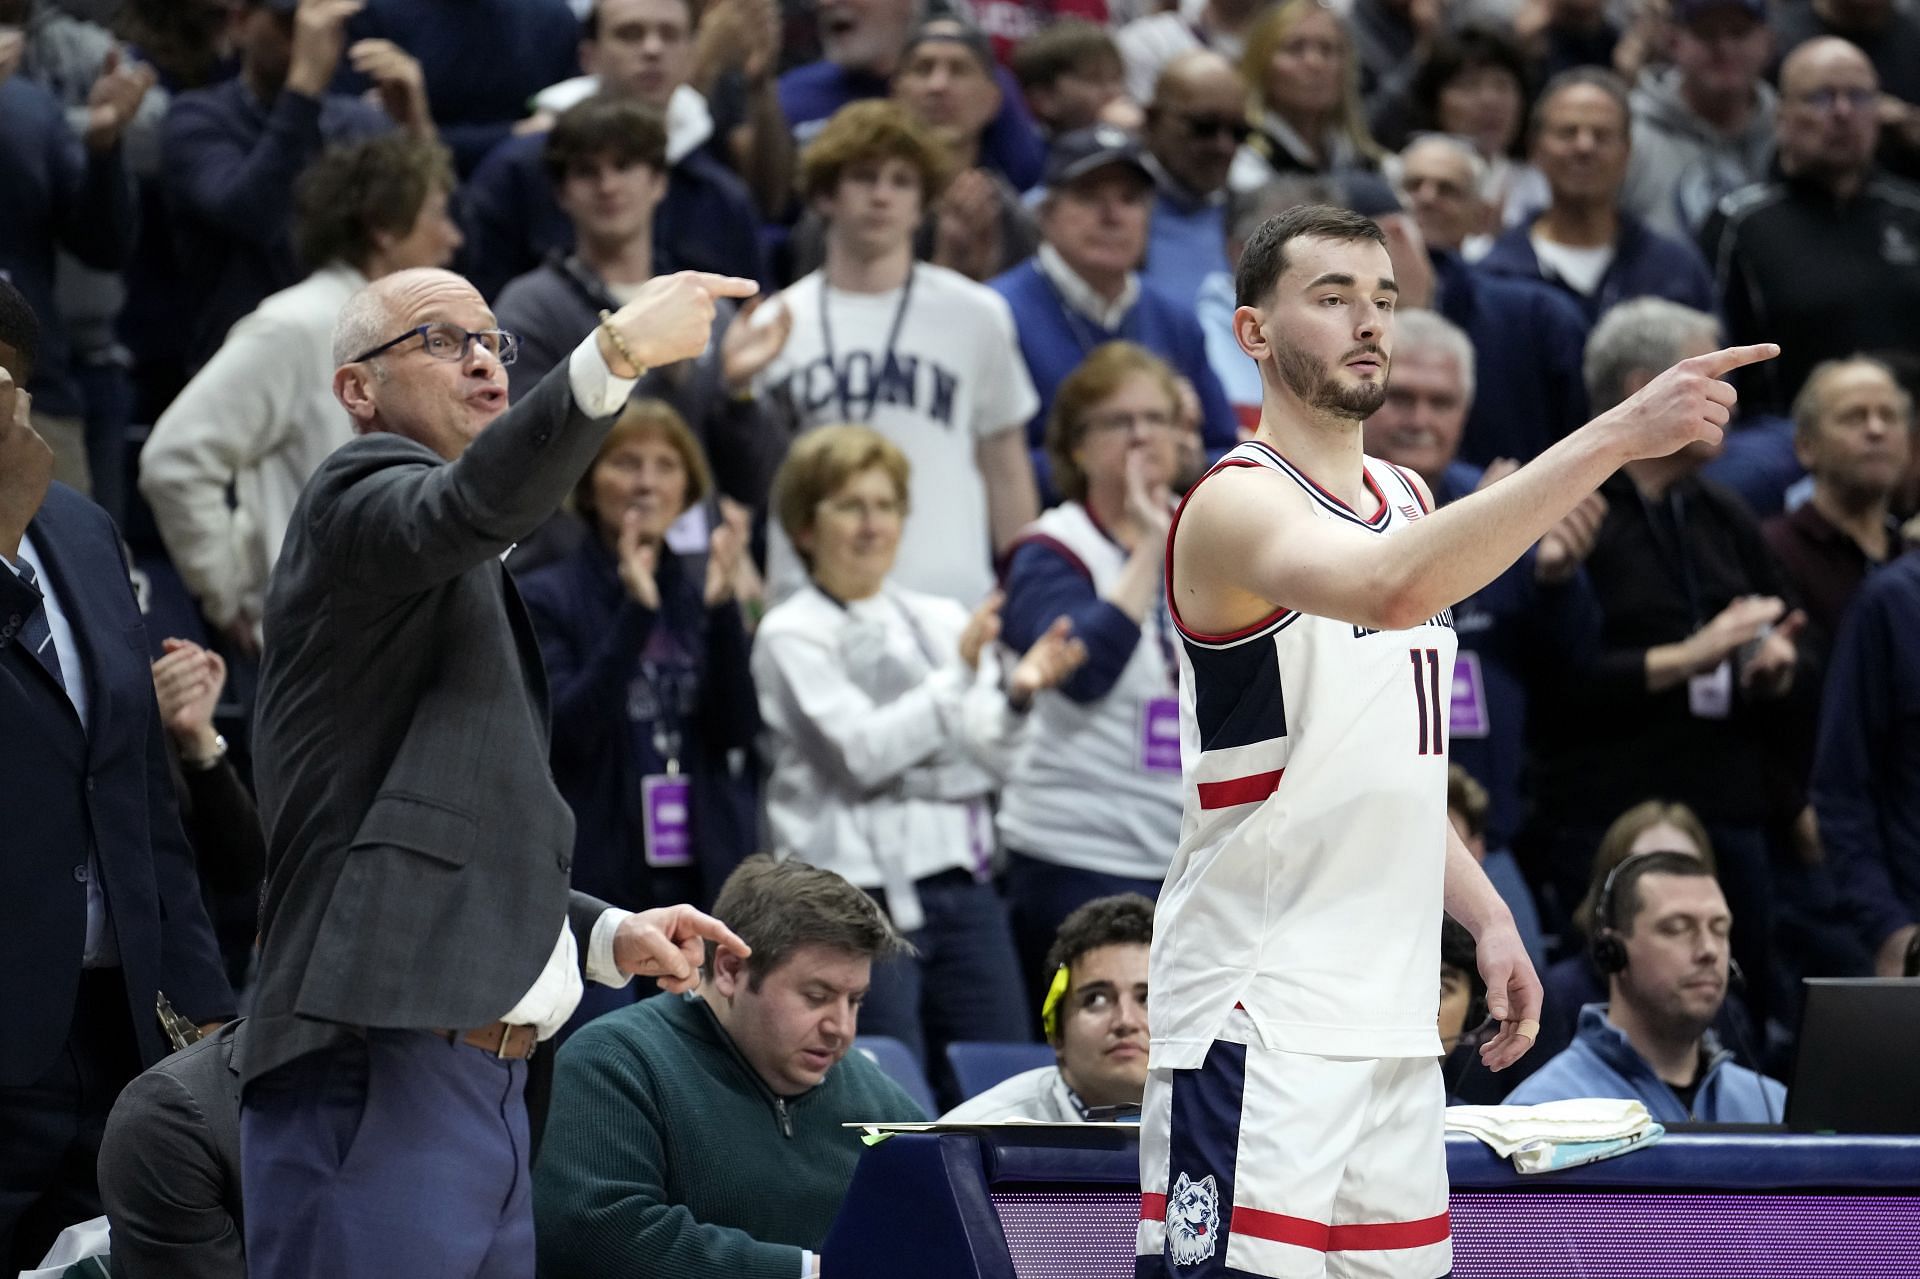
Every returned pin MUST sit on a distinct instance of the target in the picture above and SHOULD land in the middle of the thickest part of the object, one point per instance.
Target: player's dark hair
(19, 329)
(1264, 260)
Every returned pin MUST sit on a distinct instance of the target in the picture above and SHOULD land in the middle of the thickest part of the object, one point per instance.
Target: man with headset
(1660, 937)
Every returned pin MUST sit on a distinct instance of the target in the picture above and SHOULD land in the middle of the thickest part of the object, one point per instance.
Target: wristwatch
(206, 763)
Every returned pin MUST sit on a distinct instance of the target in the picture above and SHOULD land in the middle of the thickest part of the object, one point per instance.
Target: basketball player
(1293, 1113)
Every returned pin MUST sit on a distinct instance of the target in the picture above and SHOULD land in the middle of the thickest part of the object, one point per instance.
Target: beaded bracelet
(620, 343)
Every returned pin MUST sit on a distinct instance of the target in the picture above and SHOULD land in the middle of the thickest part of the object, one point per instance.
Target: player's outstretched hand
(669, 943)
(669, 320)
(1513, 995)
(1688, 402)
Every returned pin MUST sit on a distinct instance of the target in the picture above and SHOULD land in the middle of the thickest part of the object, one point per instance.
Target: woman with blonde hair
(1305, 80)
(891, 722)
(654, 715)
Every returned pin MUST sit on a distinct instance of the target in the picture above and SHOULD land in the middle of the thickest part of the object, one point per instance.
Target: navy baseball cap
(1686, 11)
(1074, 155)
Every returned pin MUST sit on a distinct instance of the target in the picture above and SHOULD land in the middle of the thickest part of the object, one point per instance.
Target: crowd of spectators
(874, 584)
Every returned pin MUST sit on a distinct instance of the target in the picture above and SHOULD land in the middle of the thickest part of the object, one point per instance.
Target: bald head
(1829, 120)
(441, 401)
(1197, 119)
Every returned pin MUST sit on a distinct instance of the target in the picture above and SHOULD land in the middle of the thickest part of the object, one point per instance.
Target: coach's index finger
(1726, 360)
(723, 286)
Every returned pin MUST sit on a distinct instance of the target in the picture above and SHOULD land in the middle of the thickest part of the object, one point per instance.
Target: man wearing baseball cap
(1083, 287)
(1702, 126)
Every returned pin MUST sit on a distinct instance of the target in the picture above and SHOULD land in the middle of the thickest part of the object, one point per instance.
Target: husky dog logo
(1193, 1220)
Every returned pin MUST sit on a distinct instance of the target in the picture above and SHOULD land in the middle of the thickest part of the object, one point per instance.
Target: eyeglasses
(450, 342)
(1202, 127)
(854, 508)
(1100, 423)
(1828, 99)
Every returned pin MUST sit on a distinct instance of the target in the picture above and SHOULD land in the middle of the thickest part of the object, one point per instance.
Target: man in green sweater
(699, 1136)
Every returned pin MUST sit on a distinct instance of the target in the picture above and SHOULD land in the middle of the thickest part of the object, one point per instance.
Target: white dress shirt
(556, 993)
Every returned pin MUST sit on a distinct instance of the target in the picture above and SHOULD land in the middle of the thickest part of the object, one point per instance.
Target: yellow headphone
(1050, 1007)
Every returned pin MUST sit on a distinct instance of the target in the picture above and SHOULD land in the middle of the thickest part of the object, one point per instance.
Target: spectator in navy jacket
(481, 60)
(1866, 777)
(705, 222)
(1082, 289)
(70, 191)
(232, 151)
(1584, 240)
(654, 712)
(1662, 940)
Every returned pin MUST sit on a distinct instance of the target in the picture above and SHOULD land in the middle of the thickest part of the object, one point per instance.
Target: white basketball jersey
(1307, 886)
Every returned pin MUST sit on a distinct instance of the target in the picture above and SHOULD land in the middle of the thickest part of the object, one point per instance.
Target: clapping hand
(187, 683)
(725, 548)
(1149, 507)
(1568, 543)
(983, 628)
(115, 98)
(399, 85)
(319, 34)
(639, 558)
(1053, 657)
(750, 344)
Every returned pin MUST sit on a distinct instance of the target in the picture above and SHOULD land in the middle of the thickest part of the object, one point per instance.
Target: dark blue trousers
(964, 985)
(400, 1154)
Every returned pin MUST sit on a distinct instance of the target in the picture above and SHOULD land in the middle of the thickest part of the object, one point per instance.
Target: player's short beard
(1317, 387)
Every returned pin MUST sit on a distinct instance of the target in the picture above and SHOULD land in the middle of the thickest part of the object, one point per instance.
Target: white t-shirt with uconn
(955, 378)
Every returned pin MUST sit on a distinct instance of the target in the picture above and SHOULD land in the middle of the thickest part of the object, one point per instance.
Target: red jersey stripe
(1386, 1236)
(1153, 1207)
(1239, 790)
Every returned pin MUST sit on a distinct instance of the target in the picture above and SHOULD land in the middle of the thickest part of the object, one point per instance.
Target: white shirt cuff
(600, 965)
(595, 388)
(806, 1264)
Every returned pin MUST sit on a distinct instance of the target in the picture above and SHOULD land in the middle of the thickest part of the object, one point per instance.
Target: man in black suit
(100, 912)
(170, 1167)
(419, 935)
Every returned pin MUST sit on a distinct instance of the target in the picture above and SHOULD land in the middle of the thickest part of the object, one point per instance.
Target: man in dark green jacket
(700, 1135)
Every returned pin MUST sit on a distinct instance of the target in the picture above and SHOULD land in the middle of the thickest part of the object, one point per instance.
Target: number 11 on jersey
(1426, 698)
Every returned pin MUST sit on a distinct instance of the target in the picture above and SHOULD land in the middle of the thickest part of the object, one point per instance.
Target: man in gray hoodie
(1703, 126)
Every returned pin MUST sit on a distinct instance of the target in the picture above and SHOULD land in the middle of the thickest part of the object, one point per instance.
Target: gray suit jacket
(170, 1167)
(417, 849)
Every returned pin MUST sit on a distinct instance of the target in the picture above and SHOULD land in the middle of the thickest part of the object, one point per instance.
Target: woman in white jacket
(891, 719)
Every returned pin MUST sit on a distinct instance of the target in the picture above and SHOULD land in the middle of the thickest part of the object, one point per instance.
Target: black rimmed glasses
(445, 341)
(1102, 423)
(1201, 128)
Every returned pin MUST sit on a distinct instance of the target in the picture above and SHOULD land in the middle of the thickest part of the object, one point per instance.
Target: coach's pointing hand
(669, 320)
(1688, 402)
(670, 943)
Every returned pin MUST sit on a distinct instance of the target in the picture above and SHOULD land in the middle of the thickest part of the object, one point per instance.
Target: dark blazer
(63, 785)
(170, 1167)
(417, 849)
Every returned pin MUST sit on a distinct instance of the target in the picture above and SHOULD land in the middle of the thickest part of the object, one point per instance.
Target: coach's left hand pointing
(1513, 994)
(670, 943)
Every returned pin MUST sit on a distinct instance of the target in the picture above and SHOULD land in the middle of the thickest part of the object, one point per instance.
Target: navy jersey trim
(1376, 521)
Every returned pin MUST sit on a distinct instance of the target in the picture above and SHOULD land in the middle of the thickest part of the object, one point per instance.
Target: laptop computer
(1858, 1056)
